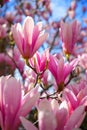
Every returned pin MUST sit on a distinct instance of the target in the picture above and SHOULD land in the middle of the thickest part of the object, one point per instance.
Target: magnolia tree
(43, 67)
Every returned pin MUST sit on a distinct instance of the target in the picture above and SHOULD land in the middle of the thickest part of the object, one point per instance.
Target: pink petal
(28, 102)
(53, 66)
(60, 70)
(67, 70)
(63, 111)
(39, 42)
(38, 60)
(70, 96)
(67, 40)
(46, 117)
(27, 124)
(11, 101)
(28, 29)
(36, 33)
(18, 36)
(75, 118)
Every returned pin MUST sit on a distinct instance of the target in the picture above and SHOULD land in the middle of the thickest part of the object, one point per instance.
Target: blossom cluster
(51, 91)
(62, 109)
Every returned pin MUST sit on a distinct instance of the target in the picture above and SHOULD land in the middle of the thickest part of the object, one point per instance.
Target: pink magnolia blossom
(29, 37)
(13, 103)
(76, 95)
(40, 62)
(69, 34)
(54, 116)
(65, 119)
(60, 70)
(46, 118)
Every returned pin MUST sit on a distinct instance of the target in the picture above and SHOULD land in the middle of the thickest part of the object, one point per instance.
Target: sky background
(59, 8)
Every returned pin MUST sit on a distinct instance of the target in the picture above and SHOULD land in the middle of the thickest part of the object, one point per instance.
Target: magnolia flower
(13, 103)
(76, 95)
(69, 34)
(46, 118)
(29, 37)
(60, 70)
(40, 62)
(54, 116)
(65, 119)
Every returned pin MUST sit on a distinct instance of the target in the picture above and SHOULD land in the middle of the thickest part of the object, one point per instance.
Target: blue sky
(59, 8)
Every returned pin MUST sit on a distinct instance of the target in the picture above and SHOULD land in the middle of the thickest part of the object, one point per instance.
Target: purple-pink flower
(76, 94)
(40, 62)
(60, 70)
(28, 37)
(55, 116)
(13, 103)
(69, 34)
